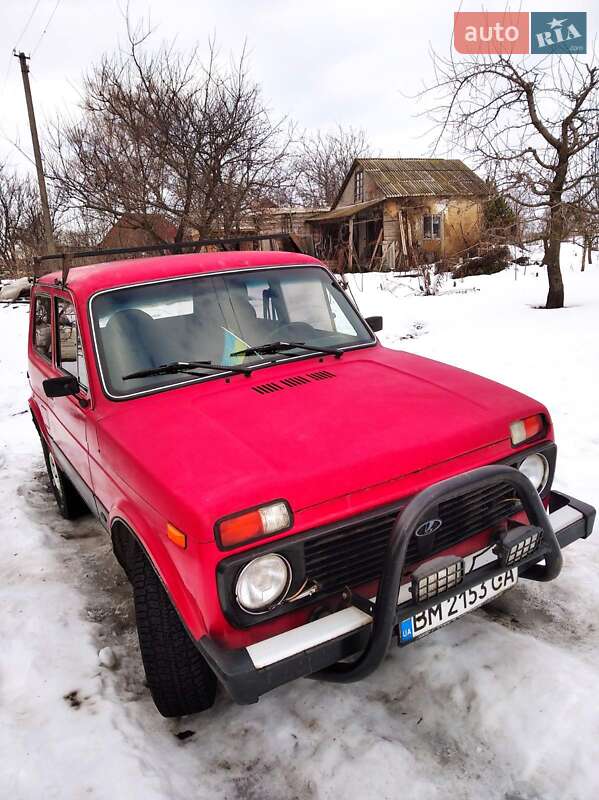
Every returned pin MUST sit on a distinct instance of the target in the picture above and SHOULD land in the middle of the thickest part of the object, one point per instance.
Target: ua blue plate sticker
(407, 632)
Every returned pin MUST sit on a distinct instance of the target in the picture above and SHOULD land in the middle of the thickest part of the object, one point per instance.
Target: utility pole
(50, 246)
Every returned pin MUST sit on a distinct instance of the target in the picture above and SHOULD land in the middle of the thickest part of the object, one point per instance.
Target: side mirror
(375, 323)
(61, 387)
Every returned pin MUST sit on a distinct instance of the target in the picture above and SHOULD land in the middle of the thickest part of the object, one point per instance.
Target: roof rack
(231, 243)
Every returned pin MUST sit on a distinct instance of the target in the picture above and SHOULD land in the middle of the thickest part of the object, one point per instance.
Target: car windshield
(209, 318)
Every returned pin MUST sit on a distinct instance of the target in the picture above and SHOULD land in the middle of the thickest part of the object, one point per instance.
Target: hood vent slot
(297, 381)
(293, 382)
(322, 375)
(267, 388)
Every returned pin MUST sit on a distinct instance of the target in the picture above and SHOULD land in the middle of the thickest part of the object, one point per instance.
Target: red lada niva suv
(285, 494)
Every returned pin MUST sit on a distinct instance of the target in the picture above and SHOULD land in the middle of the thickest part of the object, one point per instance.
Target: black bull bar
(384, 610)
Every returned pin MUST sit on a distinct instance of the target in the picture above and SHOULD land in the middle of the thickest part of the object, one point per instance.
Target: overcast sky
(321, 62)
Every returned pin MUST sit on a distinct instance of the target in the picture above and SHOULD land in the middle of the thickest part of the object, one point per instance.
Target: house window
(42, 332)
(69, 356)
(432, 226)
(359, 187)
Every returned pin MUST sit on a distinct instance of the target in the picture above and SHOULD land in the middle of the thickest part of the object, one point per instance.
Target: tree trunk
(584, 252)
(555, 295)
(180, 231)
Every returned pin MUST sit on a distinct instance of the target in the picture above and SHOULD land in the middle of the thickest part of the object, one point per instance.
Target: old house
(134, 230)
(398, 212)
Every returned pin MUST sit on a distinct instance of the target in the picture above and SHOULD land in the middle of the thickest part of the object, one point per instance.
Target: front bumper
(364, 628)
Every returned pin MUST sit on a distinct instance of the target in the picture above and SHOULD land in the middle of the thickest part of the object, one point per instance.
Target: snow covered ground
(502, 704)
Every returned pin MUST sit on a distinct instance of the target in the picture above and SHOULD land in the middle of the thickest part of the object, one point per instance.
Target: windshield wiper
(185, 366)
(281, 347)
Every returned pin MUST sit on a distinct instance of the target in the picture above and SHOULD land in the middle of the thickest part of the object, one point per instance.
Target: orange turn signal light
(176, 536)
(240, 529)
(253, 524)
(527, 428)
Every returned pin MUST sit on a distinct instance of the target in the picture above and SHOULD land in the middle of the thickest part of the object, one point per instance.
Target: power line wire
(29, 18)
(46, 26)
(20, 36)
(10, 57)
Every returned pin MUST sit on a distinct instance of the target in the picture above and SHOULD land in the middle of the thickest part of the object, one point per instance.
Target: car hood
(305, 431)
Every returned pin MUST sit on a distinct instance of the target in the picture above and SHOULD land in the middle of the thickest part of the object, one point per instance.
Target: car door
(41, 350)
(69, 416)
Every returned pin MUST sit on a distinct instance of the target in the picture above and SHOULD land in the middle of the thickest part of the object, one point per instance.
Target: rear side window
(69, 355)
(42, 330)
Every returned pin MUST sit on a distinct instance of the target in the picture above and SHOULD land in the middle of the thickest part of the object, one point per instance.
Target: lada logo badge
(429, 527)
(425, 535)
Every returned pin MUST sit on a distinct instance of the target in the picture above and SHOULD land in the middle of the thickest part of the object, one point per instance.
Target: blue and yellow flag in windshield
(231, 345)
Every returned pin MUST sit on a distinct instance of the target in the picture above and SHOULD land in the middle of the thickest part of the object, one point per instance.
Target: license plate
(447, 610)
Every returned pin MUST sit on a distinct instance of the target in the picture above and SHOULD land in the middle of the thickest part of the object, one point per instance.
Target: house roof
(417, 177)
(299, 210)
(344, 212)
(136, 226)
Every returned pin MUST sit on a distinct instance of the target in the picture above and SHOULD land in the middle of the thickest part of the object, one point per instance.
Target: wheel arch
(126, 535)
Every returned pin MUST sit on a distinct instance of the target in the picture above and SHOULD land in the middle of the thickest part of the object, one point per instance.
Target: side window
(342, 324)
(69, 355)
(260, 296)
(42, 330)
(304, 297)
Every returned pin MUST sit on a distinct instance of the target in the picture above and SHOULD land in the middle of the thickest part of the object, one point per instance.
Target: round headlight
(262, 582)
(536, 469)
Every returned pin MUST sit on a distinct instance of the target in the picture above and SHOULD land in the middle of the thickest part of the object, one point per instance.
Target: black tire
(70, 503)
(180, 680)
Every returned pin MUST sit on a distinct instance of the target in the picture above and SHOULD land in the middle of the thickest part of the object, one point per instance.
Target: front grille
(353, 555)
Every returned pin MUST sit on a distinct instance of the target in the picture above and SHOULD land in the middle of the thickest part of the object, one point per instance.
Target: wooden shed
(398, 212)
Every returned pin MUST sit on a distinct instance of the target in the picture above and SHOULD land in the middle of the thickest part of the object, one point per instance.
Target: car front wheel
(179, 679)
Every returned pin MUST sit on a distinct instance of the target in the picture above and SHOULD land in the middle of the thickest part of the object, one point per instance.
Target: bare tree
(163, 133)
(322, 162)
(11, 216)
(21, 226)
(530, 122)
(583, 210)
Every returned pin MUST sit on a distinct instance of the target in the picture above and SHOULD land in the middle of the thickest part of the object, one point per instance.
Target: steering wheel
(292, 330)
